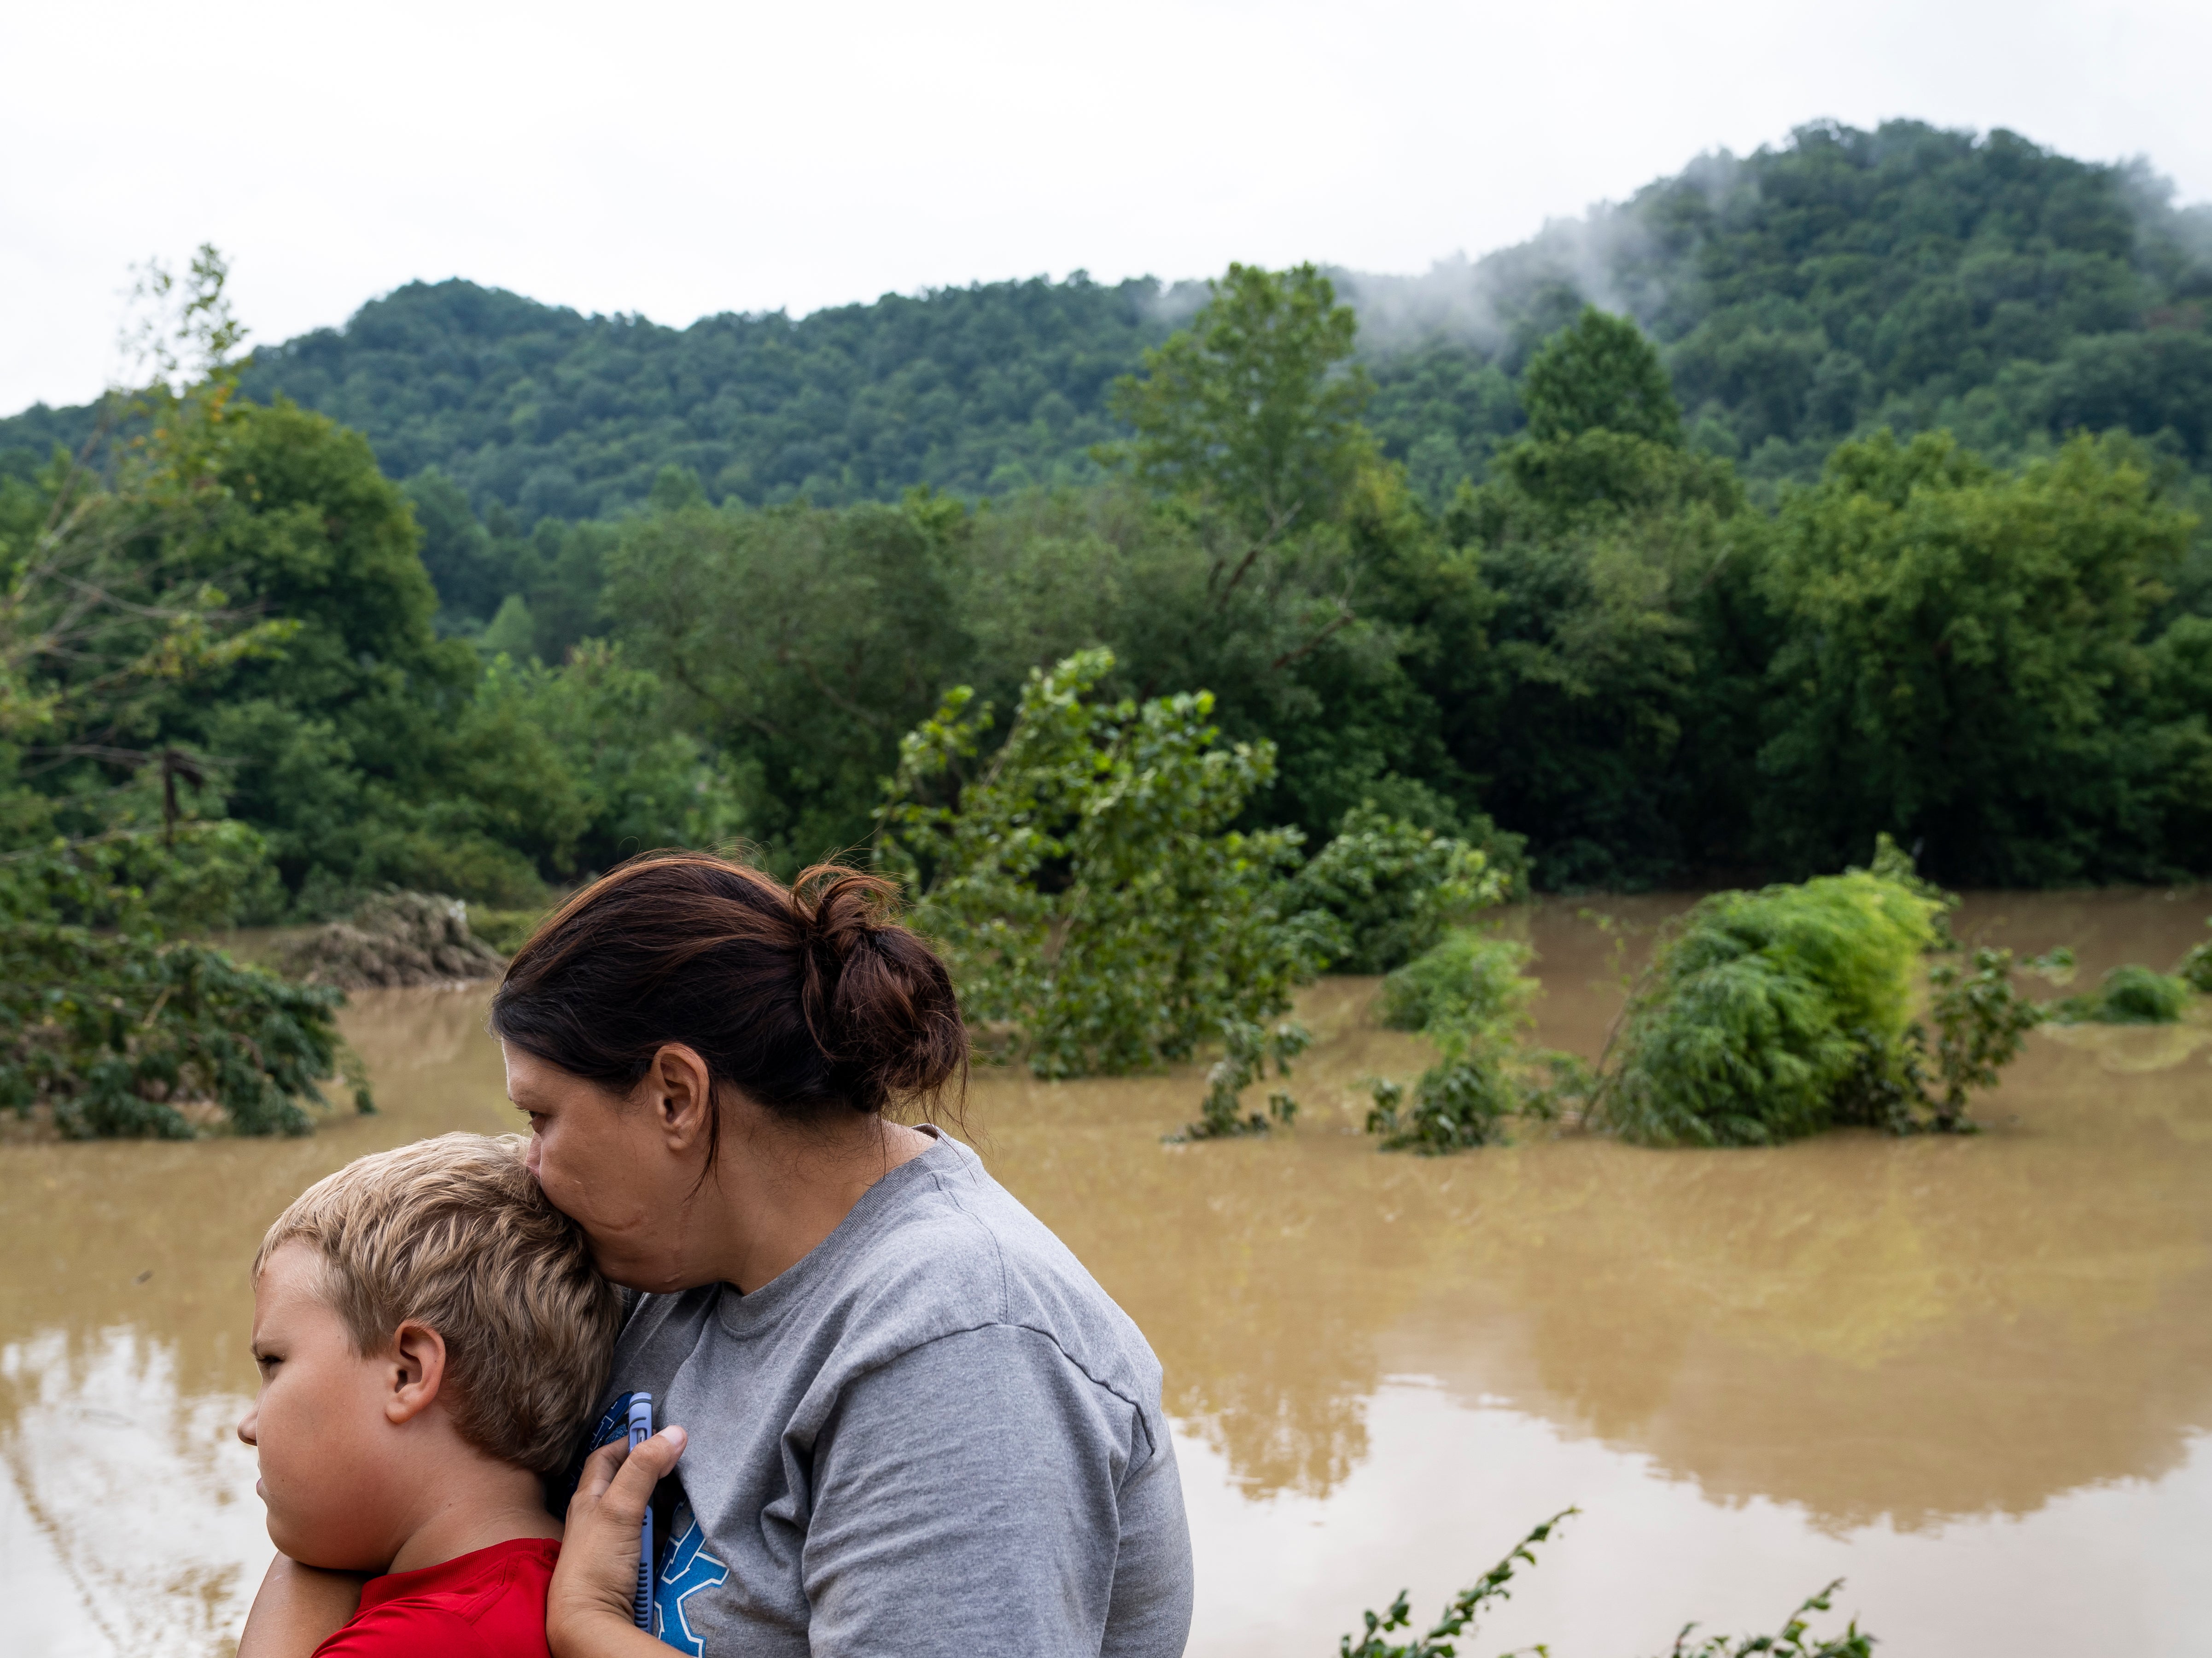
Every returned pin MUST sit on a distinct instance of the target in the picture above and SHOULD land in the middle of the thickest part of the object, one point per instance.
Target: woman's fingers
(631, 1487)
(596, 1573)
(617, 1482)
(599, 1471)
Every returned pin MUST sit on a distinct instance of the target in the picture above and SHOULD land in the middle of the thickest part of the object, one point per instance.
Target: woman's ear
(415, 1373)
(681, 1096)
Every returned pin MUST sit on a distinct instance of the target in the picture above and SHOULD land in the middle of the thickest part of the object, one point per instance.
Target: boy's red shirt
(489, 1603)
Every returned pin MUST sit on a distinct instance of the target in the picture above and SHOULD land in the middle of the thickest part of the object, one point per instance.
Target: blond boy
(430, 1334)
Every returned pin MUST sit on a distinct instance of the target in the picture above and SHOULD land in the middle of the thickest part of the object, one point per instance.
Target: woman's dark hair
(810, 998)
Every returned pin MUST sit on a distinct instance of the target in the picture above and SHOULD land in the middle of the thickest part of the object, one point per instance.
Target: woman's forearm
(598, 1637)
(297, 1609)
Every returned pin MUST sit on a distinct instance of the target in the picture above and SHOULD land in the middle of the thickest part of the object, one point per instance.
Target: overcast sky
(679, 159)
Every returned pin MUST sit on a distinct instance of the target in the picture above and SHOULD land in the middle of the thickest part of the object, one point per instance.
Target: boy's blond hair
(455, 1233)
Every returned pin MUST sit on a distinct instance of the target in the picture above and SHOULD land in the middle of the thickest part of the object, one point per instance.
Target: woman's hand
(587, 1611)
(299, 1608)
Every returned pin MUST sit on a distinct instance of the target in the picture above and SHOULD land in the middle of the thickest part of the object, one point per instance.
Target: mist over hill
(1908, 276)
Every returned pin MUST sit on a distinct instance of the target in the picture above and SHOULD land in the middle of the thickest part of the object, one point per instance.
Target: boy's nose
(245, 1428)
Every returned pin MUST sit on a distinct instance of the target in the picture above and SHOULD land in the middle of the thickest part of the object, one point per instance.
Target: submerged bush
(1469, 996)
(1468, 979)
(1795, 1639)
(1981, 1021)
(1393, 887)
(1771, 1015)
(2129, 995)
(2196, 968)
(1458, 1104)
(1247, 1048)
(116, 1032)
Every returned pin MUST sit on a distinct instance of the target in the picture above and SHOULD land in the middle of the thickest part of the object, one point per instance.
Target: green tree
(345, 745)
(1083, 880)
(1608, 553)
(1253, 409)
(103, 624)
(799, 644)
(1303, 548)
(1600, 374)
(601, 774)
(1961, 652)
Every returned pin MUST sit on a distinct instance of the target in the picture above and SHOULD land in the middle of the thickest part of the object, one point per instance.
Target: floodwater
(1971, 1376)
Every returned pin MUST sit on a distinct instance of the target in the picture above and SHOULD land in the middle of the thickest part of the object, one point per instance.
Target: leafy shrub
(2196, 968)
(1467, 978)
(2129, 995)
(1457, 1104)
(1247, 1049)
(1469, 996)
(1770, 1015)
(118, 1032)
(1793, 1640)
(1981, 1021)
(1394, 886)
(1083, 880)
(115, 1033)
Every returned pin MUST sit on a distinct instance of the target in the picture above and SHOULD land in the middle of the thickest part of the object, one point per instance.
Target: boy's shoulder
(489, 1603)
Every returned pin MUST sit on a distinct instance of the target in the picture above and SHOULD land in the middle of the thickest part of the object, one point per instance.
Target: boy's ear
(415, 1373)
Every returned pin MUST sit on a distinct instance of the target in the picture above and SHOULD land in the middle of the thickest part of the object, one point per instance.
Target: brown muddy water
(1971, 1376)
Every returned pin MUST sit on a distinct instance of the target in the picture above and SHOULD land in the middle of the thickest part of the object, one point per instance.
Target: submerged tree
(1394, 886)
(1767, 1015)
(1083, 880)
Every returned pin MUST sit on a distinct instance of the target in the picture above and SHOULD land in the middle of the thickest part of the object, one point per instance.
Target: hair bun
(843, 907)
(878, 1002)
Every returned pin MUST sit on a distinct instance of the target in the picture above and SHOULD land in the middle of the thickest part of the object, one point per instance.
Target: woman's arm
(587, 1611)
(298, 1608)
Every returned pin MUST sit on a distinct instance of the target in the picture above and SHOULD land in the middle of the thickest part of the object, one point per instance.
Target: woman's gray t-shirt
(935, 1434)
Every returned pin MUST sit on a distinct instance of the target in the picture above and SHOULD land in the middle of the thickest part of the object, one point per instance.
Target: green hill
(1908, 276)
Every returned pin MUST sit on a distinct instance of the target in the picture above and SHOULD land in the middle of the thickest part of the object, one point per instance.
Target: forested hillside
(1478, 561)
(1909, 277)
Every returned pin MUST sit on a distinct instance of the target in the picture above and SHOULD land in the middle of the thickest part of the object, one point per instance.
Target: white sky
(679, 159)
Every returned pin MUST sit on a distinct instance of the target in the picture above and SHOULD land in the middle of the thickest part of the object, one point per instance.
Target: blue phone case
(640, 1429)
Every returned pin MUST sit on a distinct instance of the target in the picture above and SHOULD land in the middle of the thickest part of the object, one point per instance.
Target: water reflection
(1863, 1326)
(1872, 1342)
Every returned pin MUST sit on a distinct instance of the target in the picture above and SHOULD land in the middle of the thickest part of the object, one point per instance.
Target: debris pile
(396, 938)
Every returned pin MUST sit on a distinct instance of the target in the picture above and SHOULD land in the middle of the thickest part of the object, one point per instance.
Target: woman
(909, 1421)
